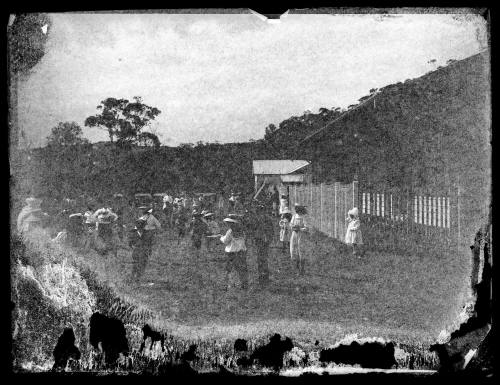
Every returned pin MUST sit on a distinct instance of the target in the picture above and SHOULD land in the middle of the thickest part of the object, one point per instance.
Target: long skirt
(295, 240)
(140, 261)
(238, 261)
(354, 237)
(284, 234)
(105, 242)
(147, 240)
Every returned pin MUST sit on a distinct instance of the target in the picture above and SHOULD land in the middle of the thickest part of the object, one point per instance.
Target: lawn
(407, 299)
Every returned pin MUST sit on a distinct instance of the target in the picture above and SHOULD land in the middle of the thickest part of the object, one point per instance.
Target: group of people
(102, 226)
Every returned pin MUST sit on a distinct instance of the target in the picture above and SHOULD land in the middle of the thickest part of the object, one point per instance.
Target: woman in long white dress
(298, 226)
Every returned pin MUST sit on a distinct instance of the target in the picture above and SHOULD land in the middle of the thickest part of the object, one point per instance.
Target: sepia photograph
(225, 192)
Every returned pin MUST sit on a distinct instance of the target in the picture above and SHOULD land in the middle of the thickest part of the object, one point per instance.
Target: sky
(226, 77)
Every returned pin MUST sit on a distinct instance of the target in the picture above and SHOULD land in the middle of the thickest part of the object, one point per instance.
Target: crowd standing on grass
(107, 225)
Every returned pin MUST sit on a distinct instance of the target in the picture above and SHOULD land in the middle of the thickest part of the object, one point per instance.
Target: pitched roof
(277, 167)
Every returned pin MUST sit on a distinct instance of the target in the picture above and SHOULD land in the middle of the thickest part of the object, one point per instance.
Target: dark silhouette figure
(111, 335)
(452, 358)
(240, 345)
(154, 336)
(368, 355)
(65, 349)
(271, 355)
(190, 354)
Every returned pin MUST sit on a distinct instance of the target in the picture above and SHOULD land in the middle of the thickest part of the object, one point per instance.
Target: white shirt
(233, 244)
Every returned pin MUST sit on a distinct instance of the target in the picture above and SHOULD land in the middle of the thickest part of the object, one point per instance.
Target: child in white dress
(353, 236)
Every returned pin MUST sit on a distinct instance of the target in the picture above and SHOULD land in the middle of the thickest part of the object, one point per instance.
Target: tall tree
(124, 119)
(66, 134)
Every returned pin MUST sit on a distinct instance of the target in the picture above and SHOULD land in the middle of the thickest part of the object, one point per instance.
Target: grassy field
(406, 299)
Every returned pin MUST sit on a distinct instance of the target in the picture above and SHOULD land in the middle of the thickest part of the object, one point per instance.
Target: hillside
(422, 133)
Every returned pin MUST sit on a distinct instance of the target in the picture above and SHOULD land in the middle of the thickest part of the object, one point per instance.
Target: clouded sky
(226, 77)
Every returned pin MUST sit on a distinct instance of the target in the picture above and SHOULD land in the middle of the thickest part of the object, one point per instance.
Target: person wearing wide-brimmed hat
(298, 226)
(235, 250)
(151, 227)
(30, 215)
(353, 236)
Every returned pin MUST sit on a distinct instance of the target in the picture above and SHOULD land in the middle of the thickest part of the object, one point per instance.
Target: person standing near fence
(286, 217)
(298, 226)
(235, 251)
(284, 204)
(275, 201)
(353, 236)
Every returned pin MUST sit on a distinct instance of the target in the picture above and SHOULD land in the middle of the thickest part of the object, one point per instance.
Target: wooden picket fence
(411, 222)
(327, 205)
(390, 220)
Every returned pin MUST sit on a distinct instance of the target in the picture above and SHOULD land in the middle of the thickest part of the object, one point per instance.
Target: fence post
(321, 207)
(355, 191)
(310, 196)
(335, 201)
(458, 220)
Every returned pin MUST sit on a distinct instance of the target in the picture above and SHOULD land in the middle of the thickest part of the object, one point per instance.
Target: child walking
(353, 236)
(286, 217)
